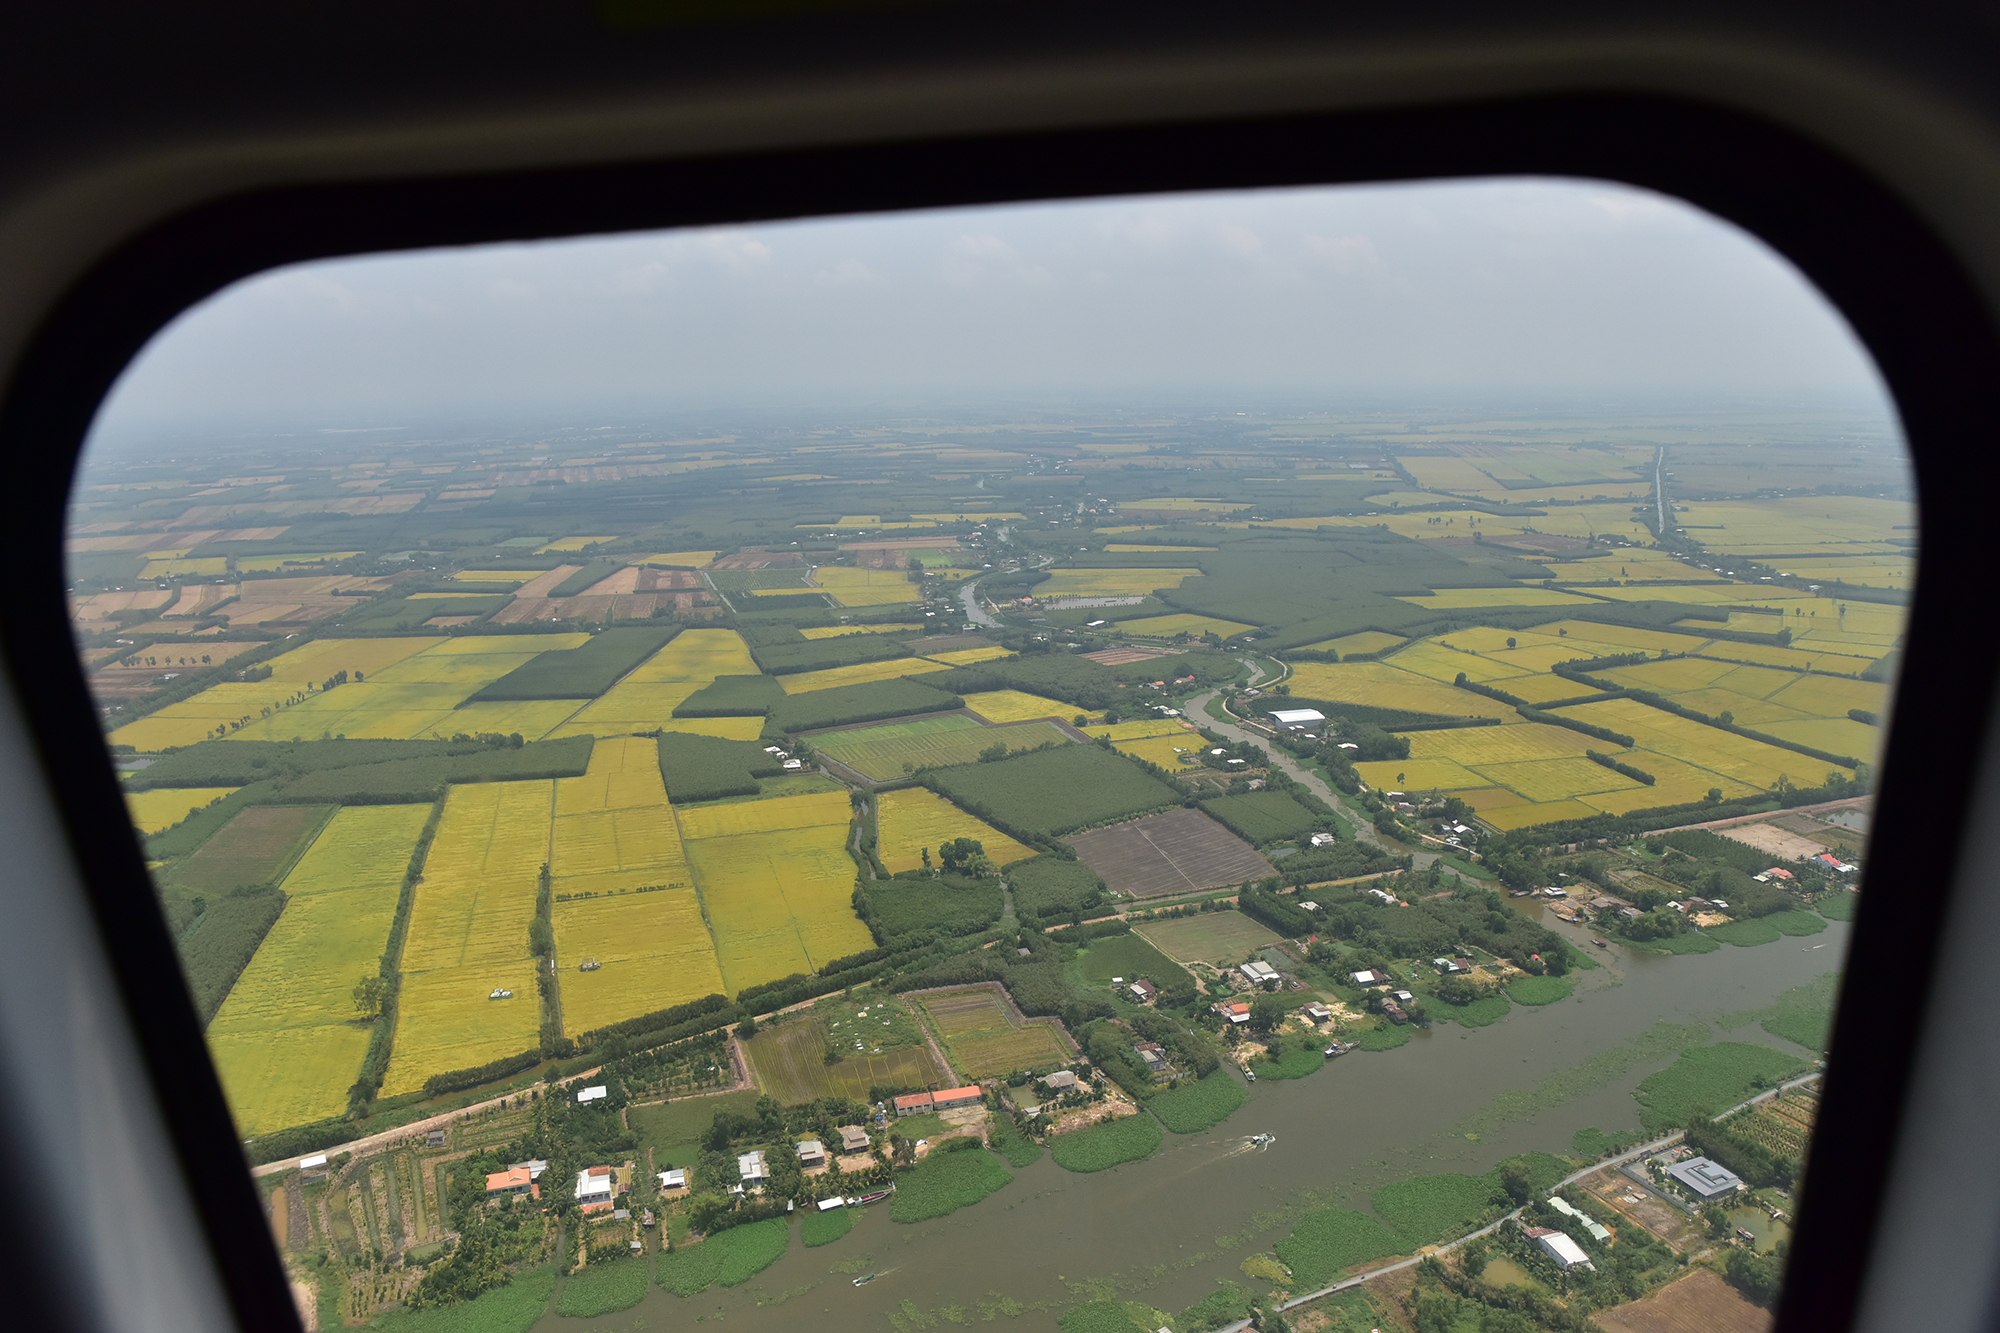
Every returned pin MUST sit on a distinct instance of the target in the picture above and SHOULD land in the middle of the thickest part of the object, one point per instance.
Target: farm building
(1144, 991)
(673, 1180)
(1156, 1060)
(1450, 965)
(752, 1167)
(597, 1093)
(514, 1180)
(316, 1162)
(1706, 1179)
(1060, 1081)
(1316, 1013)
(1297, 717)
(853, 1138)
(1236, 1011)
(1371, 978)
(1257, 973)
(915, 1104)
(595, 1186)
(955, 1097)
(1598, 1231)
(812, 1153)
(1566, 1252)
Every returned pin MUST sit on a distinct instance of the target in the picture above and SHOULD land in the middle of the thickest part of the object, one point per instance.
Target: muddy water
(1165, 1230)
(1507, 1273)
(1759, 1224)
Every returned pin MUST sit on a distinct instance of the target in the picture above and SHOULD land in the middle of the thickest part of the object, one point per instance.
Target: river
(1166, 1229)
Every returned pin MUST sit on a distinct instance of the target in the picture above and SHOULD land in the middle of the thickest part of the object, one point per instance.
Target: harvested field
(1218, 938)
(789, 1062)
(1701, 1302)
(887, 752)
(1177, 852)
(252, 848)
(860, 673)
(1016, 706)
(164, 807)
(1123, 656)
(1780, 844)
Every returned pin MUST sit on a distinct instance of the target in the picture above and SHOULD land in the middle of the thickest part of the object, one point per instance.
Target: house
(1322, 840)
(1155, 1059)
(1777, 872)
(673, 1180)
(853, 1138)
(1403, 997)
(1257, 973)
(812, 1153)
(1060, 1081)
(1598, 1231)
(1316, 1013)
(514, 1180)
(535, 1167)
(1395, 1012)
(435, 1139)
(1289, 717)
(917, 1103)
(950, 1098)
(595, 1186)
(1236, 1011)
(621, 1214)
(751, 1166)
(1566, 1252)
(1705, 1179)
(595, 1094)
(1371, 978)
(1383, 896)
(1308, 906)
(1144, 991)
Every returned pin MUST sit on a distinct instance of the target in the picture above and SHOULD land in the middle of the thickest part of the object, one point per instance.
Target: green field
(514, 1308)
(1264, 816)
(789, 1062)
(1052, 792)
(945, 1182)
(673, 1129)
(1220, 938)
(982, 1038)
(1130, 1138)
(604, 1286)
(883, 753)
(1130, 957)
(726, 1259)
(817, 1228)
(1204, 1104)
(1708, 1081)
(1327, 1243)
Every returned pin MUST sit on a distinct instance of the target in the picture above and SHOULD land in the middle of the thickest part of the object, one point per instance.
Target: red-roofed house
(514, 1180)
(915, 1104)
(951, 1097)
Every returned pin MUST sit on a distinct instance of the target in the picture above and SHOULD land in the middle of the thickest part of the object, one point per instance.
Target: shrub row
(1636, 774)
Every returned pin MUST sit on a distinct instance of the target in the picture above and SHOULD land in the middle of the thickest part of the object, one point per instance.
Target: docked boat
(1339, 1048)
(876, 1197)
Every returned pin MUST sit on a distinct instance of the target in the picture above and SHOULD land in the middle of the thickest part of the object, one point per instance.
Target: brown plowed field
(761, 560)
(1701, 1302)
(249, 849)
(1181, 851)
(1121, 656)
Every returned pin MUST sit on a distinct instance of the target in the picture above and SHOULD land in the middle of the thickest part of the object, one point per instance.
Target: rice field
(1478, 746)
(1167, 627)
(915, 818)
(1140, 727)
(1121, 548)
(1016, 706)
(982, 1038)
(1383, 685)
(1744, 762)
(205, 567)
(777, 884)
(578, 543)
(1367, 641)
(680, 559)
(889, 751)
(498, 575)
(1111, 582)
(865, 587)
(842, 631)
(415, 697)
(967, 656)
(1419, 775)
(195, 719)
(165, 807)
(1544, 689)
(1166, 751)
(283, 1041)
(649, 693)
(804, 682)
(1452, 599)
(468, 934)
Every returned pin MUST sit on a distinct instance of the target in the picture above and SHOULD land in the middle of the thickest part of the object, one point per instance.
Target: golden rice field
(777, 884)
(1476, 747)
(283, 1041)
(413, 698)
(1140, 727)
(803, 682)
(1111, 582)
(574, 543)
(1559, 779)
(1509, 817)
(1545, 689)
(1118, 548)
(1382, 685)
(842, 631)
(1704, 594)
(270, 564)
(1167, 627)
(164, 807)
(865, 587)
(468, 933)
(653, 951)
(1442, 661)
(204, 567)
(967, 656)
(1790, 522)
(192, 720)
(1453, 599)
(1836, 735)
(680, 559)
(1419, 775)
(913, 819)
(1166, 751)
(1187, 503)
(1017, 706)
(1744, 761)
(727, 728)
(533, 718)
(1367, 641)
(649, 693)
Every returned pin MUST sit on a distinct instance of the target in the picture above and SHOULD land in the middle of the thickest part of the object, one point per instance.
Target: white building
(1290, 717)
(595, 1185)
(673, 1180)
(592, 1094)
(1705, 1179)
(1566, 1252)
(1597, 1230)
(1257, 973)
(750, 1166)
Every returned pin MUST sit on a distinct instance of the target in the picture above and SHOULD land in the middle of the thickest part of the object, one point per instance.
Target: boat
(1250, 1074)
(876, 1197)
(1600, 944)
(865, 1279)
(1262, 1140)
(1340, 1048)
(1747, 1234)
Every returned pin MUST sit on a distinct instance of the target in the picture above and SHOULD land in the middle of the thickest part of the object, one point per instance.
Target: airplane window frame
(1907, 296)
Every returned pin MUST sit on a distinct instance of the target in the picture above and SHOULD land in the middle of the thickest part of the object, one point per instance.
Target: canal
(1167, 1229)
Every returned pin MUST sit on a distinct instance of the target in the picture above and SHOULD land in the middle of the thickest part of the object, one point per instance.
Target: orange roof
(512, 1178)
(956, 1094)
(599, 1171)
(914, 1099)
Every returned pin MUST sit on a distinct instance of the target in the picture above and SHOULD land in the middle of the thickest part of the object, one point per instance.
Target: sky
(1509, 290)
